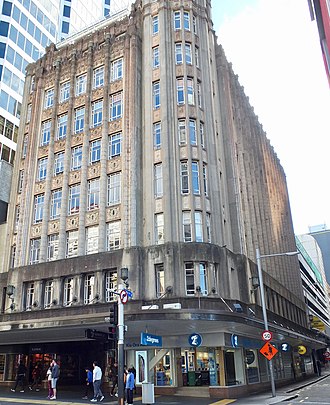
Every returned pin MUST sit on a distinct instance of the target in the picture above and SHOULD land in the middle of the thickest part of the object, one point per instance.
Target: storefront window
(2, 366)
(234, 370)
(163, 371)
(251, 365)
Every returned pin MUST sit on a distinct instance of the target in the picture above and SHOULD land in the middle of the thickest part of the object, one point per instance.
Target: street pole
(264, 313)
(121, 388)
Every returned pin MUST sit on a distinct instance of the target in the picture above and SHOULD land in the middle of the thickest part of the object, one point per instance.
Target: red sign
(123, 296)
(268, 350)
(267, 335)
(326, 355)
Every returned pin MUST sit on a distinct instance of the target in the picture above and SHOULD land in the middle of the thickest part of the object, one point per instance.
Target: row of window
(15, 59)
(116, 73)
(8, 129)
(68, 291)
(26, 45)
(6, 153)
(183, 53)
(181, 20)
(8, 103)
(13, 81)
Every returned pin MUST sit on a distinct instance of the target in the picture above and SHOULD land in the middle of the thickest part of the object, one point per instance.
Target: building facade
(139, 149)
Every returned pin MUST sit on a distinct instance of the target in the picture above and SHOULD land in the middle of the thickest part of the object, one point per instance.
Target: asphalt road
(315, 394)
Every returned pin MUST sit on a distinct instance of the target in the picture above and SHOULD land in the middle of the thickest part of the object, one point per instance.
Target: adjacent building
(138, 149)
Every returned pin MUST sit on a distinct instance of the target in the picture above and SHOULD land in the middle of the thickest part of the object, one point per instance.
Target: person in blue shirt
(129, 386)
(89, 383)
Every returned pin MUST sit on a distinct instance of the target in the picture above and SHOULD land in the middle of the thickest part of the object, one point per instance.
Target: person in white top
(97, 380)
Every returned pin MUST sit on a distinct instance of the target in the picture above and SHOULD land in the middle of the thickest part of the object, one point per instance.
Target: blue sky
(274, 48)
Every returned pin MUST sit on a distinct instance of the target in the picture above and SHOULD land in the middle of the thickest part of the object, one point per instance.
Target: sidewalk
(74, 396)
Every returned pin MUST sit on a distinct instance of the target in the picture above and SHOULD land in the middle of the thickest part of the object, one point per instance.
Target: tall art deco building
(138, 149)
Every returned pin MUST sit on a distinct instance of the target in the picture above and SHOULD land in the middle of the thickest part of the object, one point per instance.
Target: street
(318, 393)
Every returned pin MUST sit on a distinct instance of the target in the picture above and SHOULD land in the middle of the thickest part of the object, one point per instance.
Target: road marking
(223, 402)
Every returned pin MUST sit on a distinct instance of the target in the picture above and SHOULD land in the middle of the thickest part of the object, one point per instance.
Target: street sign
(302, 349)
(129, 293)
(267, 335)
(97, 335)
(285, 347)
(123, 296)
(151, 340)
(268, 350)
(195, 340)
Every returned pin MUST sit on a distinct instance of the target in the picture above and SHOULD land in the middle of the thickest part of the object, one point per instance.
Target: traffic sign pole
(120, 349)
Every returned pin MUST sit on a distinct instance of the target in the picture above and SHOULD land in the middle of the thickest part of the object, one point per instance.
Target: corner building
(139, 149)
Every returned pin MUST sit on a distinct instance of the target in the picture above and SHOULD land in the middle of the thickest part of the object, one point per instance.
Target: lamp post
(263, 303)
(121, 327)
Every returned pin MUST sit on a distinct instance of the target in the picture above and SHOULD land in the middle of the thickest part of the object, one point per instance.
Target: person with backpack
(89, 383)
(55, 376)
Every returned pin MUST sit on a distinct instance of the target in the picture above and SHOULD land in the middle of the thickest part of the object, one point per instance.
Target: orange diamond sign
(268, 350)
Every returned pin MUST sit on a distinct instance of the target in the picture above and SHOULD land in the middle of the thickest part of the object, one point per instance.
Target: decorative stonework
(159, 205)
(204, 156)
(53, 227)
(184, 152)
(156, 115)
(57, 181)
(115, 126)
(179, 70)
(188, 36)
(114, 165)
(194, 152)
(77, 139)
(98, 93)
(59, 145)
(94, 171)
(36, 231)
(186, 203)
(92, 218)
(79, 101)
(95, 133)
(43, 151)
(72, 222)
(116, 86)
(192, 111)
(40, 187)
(157, 156)
(198, 203)
(47, 114)
(155, 74)
(181, 112)
(112, 213)
(190, 71)
(177, 36)
(207, 205)
(63, 108)
(14, 239)
(74, 177)
(18, 199)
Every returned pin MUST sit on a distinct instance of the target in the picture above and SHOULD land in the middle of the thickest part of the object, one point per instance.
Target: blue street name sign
(151, 340)
(129, 293)
(195, 340)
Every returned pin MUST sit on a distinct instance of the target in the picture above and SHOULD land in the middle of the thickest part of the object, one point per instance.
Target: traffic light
(114, 314)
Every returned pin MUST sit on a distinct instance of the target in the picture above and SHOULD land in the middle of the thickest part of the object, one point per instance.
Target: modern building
(138, 149)
(322, 236)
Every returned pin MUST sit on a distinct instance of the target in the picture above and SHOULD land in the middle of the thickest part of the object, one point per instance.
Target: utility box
(148, 393)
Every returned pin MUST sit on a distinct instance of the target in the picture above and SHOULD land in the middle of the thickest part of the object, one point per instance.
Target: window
(29, 296)
(190, 278)
(79, 120)
(155, 25)
(178, 54)
(49, 98)
(208, 227)
(156, 94)
(74, 199)
(188, 54)
(68, 291)
(93, 197)
(81, 82)
(42, 169)
(52, 247)
(194, 24)
(64, 92)
(76, 157)
(92, 240)
(203, 278)
(114, 145)
(177, 20)
(195, 178)
(12, 256)
(199, 95)
(157, 135)
(116, 106)
(38, 208)
(116, 71)
(186, 220)
(180, 90)
(55, 204)
(158, 180)
(98, 77)
(155, 57)
(58, 163)
(182, 132)
(186, 20)
(111, 282)
(184, 177)
(17, 214)
(201, 134)
(72, 244)
(113, 235)
(34, 250)
(192, 132)
(89, 289)
(160, 280)
(25, 145)
(190, 91)
(196, 56)
(95, 151)
(62, 123)
(114, 189)
(205, 179)
(49, 292)
(20, 181)
(28, 113)
(45, 133)
(97, 109)
(198, 227)
(159, 229)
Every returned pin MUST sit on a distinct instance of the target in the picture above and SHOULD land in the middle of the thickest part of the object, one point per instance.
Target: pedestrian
(129, 386)
(55, 376)
(20, 377)
(114, 379)
(89, 383)
(134, 374)
(36, 377)
(49, 382)
(318, 367)
(97, 380)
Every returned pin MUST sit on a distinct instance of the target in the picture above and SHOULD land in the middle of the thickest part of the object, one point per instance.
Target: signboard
(285, 347)
(123, 296)
(317, 323)
(97, 335)
(302, 349)
(268, 350)
(151, 340)
(234, 340)
(195, 340)
(129, 293)
(267, 335)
